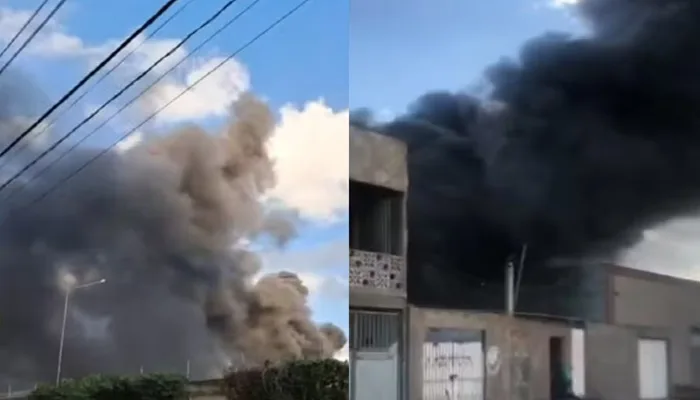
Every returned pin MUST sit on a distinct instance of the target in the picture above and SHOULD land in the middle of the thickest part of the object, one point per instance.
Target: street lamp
(63, 326)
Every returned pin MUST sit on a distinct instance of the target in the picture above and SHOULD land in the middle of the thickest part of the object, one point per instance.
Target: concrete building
(476, 355)
(636, 336)
(626, 334)
(652, 335)
(378, 184)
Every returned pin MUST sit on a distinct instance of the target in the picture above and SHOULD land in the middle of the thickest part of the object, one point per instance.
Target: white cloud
(670, 249)
(143, 54)
(319, 268)
(310, 145)
(314, 259)
(310, 148)
(563, 3)
(319, 286)
(130, 141)
(52, 40)
(326, 287)
(210, 98)
(313, 282)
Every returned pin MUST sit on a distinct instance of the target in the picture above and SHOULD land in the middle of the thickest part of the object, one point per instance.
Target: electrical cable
(32, 35)
(36, 133)
(23, 27)
(150, 117)
(116, 95)
(89, 75)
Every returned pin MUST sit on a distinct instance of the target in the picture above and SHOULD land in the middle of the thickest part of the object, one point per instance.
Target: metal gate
(453, 365)
(375, 351)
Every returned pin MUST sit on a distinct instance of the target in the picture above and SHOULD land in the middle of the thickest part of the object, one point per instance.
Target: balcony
(377, 272)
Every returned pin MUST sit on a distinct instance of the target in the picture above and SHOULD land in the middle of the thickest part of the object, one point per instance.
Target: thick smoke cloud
(582, 143)
(166, 225)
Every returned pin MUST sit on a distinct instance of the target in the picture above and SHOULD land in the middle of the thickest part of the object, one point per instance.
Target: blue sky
(300, 68)
(303, 59)
(414, 46)
(400, 49)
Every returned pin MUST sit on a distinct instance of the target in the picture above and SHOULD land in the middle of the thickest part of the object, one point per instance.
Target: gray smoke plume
(582, 143)
(166, 225)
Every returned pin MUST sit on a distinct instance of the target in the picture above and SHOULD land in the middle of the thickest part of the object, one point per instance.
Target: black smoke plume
(166, 224)
(581, 144)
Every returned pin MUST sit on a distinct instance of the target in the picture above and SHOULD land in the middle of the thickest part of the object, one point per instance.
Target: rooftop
(378, 160)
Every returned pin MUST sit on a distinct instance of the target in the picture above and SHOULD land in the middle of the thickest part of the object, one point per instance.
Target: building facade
(623, 334)
(478, 355)
(662, 316)
(378, 185)
(639, 338)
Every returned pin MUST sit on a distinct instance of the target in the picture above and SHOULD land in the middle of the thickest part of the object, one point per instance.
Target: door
(578, 362)
(453, 365)
(375, 355)
(653, 369)
(558, 382)
(377, 375)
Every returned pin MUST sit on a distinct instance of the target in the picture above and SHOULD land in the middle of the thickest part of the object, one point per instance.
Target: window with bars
(374, 330)
(375, 355)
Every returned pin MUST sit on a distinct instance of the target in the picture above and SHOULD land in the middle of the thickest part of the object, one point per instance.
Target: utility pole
(63, 325)
(63, 337)
(188, 370)
(510, 313)
(510, 288)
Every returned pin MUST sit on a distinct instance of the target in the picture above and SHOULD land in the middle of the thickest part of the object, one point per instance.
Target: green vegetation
(301, 380)
(147, 387)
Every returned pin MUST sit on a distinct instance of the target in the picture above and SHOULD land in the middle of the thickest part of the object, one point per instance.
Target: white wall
(653, 369)
(578, 361)
(375, 375)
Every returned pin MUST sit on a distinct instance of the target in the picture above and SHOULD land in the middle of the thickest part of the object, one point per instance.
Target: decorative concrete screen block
(377, 271)
(378, 160)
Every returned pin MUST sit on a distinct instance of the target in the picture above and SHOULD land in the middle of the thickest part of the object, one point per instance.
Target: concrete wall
(378, 160)
(611, 362)
(646, 300)
(527, 339)
(577, 293)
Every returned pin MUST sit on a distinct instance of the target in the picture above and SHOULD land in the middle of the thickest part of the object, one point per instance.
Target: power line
(119, 93)
(23, 27)
(33, 34)
(90, 74)
(166, 105)
(106, 121)
(92, 87)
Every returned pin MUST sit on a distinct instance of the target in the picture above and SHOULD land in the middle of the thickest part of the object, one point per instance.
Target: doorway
(557, 379)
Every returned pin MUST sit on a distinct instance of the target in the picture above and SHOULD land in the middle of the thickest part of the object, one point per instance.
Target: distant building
(650, 336)
(378, 184)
